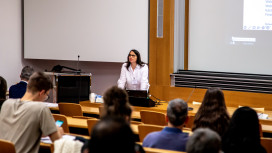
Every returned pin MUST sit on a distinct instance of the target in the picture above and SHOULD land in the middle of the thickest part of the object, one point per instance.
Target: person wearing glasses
(134, 73)
(23, 121)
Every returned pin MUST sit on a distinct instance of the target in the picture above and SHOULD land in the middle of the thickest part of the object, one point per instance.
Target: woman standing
(134, 73)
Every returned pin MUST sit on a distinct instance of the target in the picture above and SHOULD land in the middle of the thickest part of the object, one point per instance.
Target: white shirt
(134, 80)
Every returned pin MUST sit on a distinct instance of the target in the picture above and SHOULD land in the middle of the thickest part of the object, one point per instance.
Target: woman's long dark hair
(213, 112)
(243, 134)
(3, 88)
(116, 103)
(139, 61)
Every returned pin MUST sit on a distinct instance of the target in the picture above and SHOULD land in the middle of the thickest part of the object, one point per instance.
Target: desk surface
(266, 124)
(160, 108)
(147, 150)
(82, 123)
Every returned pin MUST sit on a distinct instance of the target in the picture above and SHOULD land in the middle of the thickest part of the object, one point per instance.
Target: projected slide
(257, 15)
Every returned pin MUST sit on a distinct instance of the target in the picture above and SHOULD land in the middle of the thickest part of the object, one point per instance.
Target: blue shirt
(169, 138)
(18, 90)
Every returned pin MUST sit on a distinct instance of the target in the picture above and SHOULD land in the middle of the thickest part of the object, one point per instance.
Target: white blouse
(134, 80)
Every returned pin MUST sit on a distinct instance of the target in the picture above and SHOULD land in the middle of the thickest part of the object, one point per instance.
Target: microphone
(190, 108)
(78, 70)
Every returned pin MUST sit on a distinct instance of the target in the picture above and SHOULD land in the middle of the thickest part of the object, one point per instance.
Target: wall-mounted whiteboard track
(97, 30)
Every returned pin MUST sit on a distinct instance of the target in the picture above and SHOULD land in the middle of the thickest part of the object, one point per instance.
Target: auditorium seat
(267, 144)
(136, 122)
(64, 119)
(152, 117)
(145, 129)
(91, 123)
(70, 109)
(88, 104)
(190, 122)
(7, 146)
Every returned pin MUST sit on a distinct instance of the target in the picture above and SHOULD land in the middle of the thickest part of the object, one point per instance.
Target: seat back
(151, 117)
(145, 129)
(83, 117)
(265, 121)
(65, 123)
(88, 104)
(91, 123)
(156, 150)
(7, 146)
(136, 122)
(101, 109)
(190, 122)
(267, 143)
(70, 109)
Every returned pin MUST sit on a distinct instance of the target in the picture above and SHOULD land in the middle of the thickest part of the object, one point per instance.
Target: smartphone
(59, 123)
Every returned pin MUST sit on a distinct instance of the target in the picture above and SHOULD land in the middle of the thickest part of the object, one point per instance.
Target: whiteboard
(97, 30)
(230, 36)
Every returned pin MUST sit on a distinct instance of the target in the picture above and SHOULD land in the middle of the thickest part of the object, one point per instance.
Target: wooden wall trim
(232, 98)
(161, 50)
(186, 35)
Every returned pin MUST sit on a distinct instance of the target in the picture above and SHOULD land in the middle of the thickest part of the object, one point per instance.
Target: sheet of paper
(48, 140)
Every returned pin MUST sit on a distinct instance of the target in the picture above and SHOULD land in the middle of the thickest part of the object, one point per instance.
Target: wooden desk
(155, 150)
(160, 108)
(82, 123)
(266, 124)
(147, 150)
(95, 111)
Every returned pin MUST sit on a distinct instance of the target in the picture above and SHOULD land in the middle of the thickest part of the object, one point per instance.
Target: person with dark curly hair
(112, 134)
(213, 112)
(113, 129)
(116, 103)
(243, 134)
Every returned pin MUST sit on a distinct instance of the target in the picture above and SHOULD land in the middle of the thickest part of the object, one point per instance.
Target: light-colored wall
(11, 53)
(10, 40)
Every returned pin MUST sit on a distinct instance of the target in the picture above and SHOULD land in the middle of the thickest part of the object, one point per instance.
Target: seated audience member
(23, 121)
(18, 90)
(116, 103)
(213, 112)
(204, 140)
(3, 90)
(243, 134)
(171, 137)
(112, 134)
